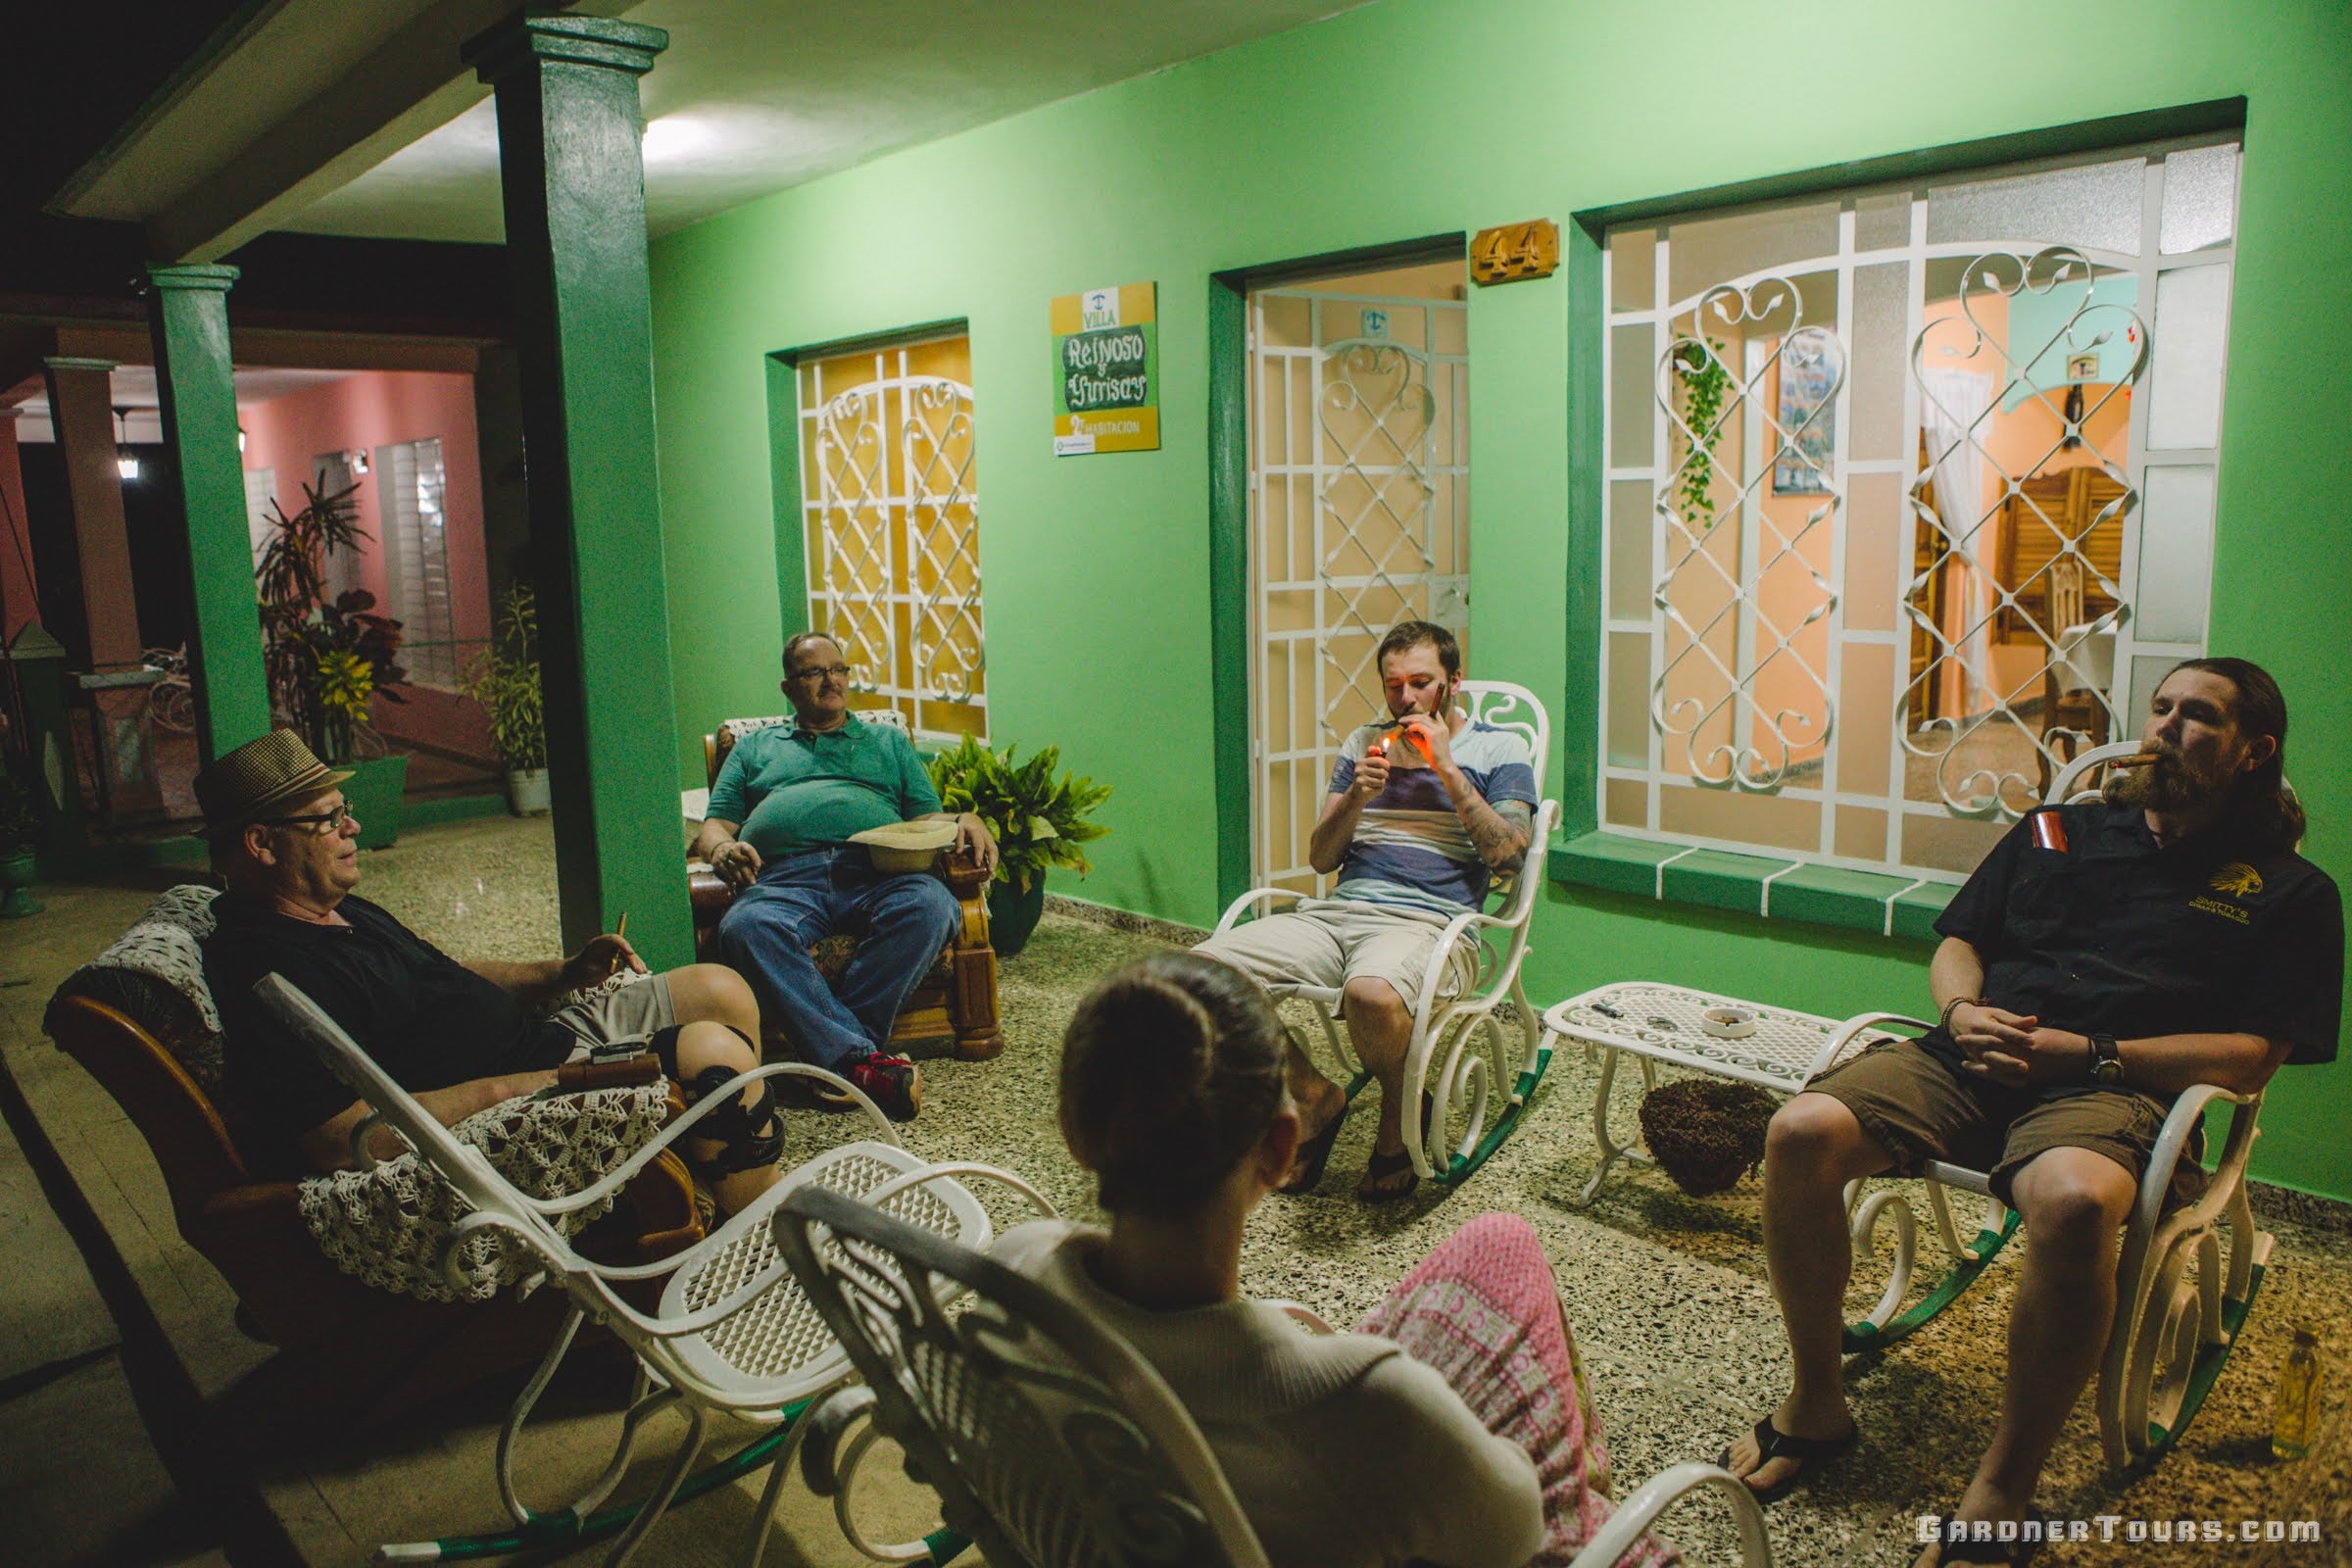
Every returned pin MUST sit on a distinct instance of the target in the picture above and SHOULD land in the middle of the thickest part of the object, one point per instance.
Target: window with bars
(890, 503)
(1909, 498)
(413, 487)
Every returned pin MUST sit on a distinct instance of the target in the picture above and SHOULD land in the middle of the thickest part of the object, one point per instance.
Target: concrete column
(20, 593)
(568, 129)
(187, 315)
(82, 413)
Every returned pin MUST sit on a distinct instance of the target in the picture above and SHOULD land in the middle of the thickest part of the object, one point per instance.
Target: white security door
(1359, 512)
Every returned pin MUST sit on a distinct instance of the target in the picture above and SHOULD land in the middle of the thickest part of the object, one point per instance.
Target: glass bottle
(2295, 1410)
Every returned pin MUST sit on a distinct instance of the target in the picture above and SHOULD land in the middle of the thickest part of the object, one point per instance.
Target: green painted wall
(1419, 117)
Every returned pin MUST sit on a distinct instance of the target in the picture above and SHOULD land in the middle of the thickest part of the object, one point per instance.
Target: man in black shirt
(459, 1037)
(2104, 957)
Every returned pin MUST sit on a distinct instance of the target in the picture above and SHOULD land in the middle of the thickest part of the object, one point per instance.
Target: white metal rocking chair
(1444, 1029)
(732, 1333)
(1048, 1440)
(2172, 1332)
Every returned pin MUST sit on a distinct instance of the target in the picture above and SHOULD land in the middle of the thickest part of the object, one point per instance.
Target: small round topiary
(1706, 1133)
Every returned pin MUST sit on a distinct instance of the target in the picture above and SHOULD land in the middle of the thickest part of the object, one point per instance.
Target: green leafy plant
(310, 643)
(20, 813)
(505, 679)
(1038, 821)
(1704, 382)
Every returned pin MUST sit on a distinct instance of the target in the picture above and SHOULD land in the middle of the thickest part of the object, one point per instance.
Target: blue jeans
(901, 923)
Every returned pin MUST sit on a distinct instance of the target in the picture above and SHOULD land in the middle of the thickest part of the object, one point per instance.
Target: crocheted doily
(386, 1226)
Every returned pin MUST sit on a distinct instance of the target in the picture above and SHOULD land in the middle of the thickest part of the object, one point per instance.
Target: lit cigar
(2141, 759)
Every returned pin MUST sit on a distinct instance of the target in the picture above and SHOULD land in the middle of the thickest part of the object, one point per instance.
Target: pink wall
(366, 409)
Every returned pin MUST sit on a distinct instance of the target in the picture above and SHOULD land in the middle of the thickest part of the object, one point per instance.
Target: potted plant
(504, 678)
(20, 836)
(1038, 822)
(328, 659)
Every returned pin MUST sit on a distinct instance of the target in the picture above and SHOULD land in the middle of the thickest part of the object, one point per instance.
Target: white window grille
(415, 528)
(892, 511)
(1910, 497)
(1359, 514)
(261, 488)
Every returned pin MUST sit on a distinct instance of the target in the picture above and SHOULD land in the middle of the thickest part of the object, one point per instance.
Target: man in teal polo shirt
(781, 821)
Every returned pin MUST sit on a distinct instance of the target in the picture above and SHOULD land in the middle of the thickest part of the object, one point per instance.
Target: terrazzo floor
(1666, 1293)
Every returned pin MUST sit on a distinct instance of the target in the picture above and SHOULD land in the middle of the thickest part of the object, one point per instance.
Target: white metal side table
(1659, 1022)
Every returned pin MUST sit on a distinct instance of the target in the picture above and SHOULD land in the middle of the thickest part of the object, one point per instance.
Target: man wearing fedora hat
(460, 1036)
(791, 818)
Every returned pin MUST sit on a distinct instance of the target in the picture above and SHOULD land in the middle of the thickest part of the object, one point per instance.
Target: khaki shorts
(632, 1013)
(1329, 942)
(1918, 1109)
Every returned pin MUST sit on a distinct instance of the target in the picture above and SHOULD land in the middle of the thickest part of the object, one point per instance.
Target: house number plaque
(1514, 250)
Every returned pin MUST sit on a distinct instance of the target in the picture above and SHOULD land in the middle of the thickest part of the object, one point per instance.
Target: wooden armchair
(140, 1020)
(956, 1000)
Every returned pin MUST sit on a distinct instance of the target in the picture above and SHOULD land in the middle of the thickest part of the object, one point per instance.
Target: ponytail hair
(1171, 1071)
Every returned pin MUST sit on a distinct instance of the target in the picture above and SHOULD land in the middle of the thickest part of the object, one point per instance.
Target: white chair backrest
(1049, 1440)
(1516, 708)
(2062, 789)
(737, 728)
(466, 1168)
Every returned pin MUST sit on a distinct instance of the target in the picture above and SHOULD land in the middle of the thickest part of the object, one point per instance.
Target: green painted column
(187, 315)
(568, 129)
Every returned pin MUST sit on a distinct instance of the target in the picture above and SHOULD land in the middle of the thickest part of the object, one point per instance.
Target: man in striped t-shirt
(1423, 811)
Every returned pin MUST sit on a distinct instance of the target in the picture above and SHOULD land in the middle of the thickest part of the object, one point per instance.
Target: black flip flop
(1774, 1444)
(1995, 1551)
(1380, 1168)
(1306, 1165)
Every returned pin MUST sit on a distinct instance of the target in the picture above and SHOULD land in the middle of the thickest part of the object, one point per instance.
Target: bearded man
(2104, 957)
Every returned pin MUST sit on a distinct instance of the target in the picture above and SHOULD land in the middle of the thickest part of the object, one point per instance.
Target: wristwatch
(2106, 1061)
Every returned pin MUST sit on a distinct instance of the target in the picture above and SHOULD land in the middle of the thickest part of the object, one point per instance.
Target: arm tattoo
(1500, 833)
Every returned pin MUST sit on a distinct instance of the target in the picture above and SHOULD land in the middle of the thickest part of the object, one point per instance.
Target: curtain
(1954, 409)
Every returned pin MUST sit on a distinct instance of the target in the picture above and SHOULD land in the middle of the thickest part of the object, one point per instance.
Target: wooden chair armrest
(960, 869)
(709, 894)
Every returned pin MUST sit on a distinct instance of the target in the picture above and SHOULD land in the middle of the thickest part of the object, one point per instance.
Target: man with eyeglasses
(461, 1038)
(782, 815)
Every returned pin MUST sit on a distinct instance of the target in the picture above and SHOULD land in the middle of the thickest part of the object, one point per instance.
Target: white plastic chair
(2178, 1302)
(732, 1332)
(1049, 1440)
(1444, 1029)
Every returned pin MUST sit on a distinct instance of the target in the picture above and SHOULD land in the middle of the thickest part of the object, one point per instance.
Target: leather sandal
(1306, 1165)
(1774, 1444)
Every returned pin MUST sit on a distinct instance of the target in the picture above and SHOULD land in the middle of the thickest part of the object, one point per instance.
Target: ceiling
(132, 390)
(756, 95)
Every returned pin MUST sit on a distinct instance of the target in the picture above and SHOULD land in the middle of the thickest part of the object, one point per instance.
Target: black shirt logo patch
(2236, 880)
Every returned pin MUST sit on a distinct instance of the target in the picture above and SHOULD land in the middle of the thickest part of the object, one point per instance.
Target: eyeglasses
(333, 821)
(823, 672)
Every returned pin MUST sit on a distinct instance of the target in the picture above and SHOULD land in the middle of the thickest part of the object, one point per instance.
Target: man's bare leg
(1814, 1147)
(703, 1044)
(716, 993)
(2073, 1201)
(1380, 1025)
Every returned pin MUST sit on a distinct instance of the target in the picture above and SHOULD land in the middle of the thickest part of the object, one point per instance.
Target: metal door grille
(892, 512)
(1359, 518)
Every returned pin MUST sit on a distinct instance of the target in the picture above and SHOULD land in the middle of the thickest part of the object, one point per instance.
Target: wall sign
(1107, 370)
(1513, 251)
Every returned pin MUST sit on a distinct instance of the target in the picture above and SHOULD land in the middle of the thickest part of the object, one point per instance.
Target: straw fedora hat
(896, 847)
(260, 777)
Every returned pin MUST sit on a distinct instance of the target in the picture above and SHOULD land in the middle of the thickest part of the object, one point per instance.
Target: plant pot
(373, 792)
(1012, 914)
(17, 877)
(527, 792)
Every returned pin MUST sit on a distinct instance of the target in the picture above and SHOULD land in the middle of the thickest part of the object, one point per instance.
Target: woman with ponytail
(1451, 1429)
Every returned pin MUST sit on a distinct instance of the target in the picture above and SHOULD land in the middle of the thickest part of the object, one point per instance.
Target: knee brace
(734, 1124)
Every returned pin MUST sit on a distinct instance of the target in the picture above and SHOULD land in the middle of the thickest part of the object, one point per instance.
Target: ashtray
(1728, 1023)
